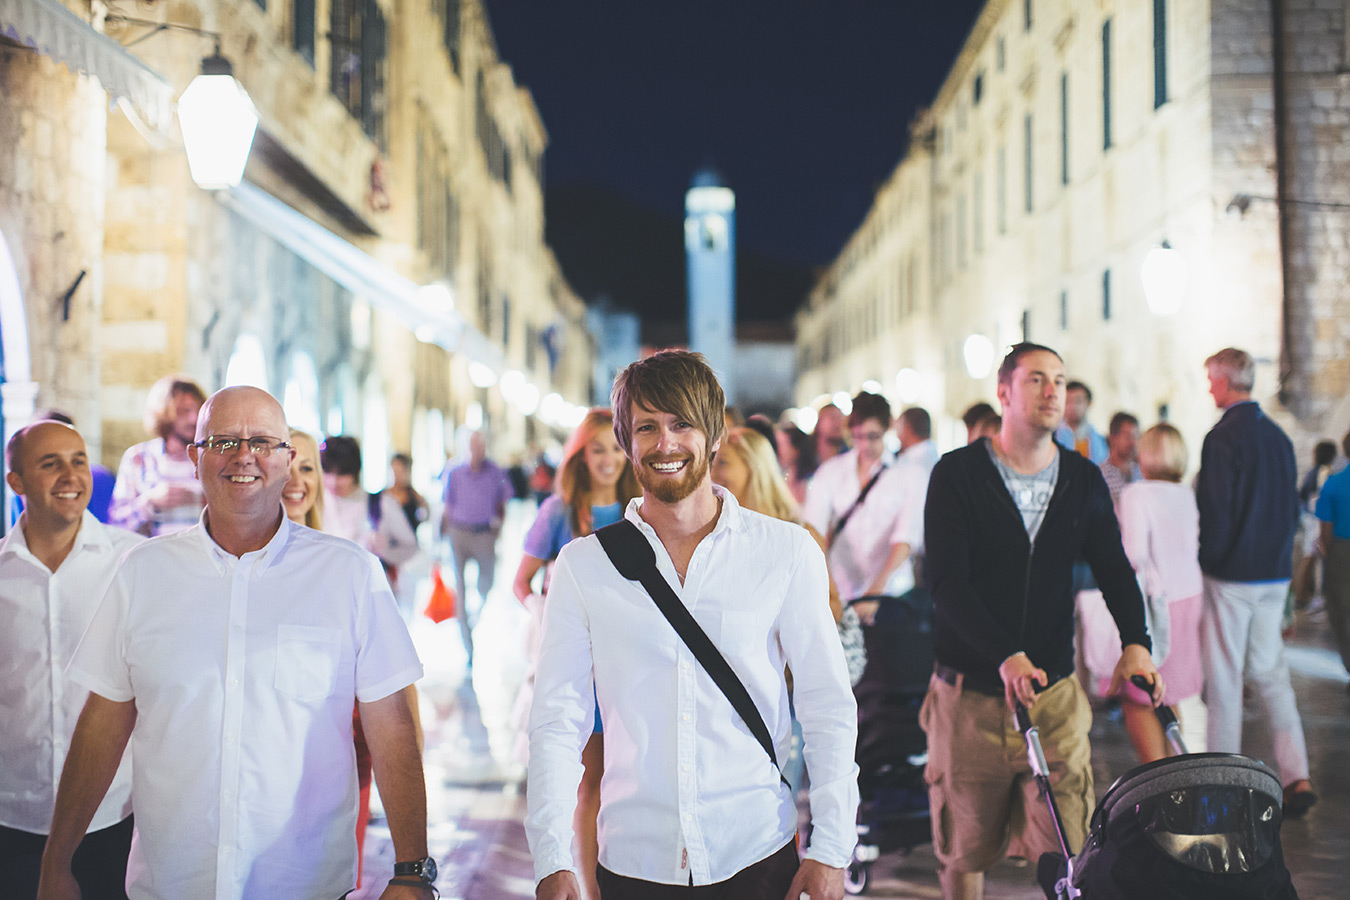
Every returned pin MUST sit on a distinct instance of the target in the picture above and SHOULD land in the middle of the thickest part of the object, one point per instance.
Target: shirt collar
(91, 536)
(730, 517)
(268, 554)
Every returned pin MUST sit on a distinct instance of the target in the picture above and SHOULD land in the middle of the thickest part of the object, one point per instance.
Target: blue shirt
(552, 530)
(1333, 504)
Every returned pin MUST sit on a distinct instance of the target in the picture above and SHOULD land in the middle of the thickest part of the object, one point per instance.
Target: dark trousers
(100, 863)
(768, 879)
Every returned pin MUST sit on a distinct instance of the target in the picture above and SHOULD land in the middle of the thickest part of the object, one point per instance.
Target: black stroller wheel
(856, 876)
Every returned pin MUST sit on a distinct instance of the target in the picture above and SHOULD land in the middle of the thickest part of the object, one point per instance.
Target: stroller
(1189, 827)
(892, 748)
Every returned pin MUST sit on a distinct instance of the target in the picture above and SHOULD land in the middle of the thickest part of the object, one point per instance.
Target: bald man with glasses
(230, 655)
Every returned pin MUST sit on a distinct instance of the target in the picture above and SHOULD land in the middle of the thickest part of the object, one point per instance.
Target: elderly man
(54, 567)
(230, 655)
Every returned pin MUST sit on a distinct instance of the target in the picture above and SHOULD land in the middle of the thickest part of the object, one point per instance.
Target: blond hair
(573, 482)
(1162, 453)
(161, 402)
(303, 442)
(765, 492)
(678, 382)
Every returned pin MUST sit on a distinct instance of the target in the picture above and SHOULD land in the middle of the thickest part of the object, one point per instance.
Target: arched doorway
(17, 390)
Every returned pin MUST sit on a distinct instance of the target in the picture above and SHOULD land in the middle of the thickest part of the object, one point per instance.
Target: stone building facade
(1070, 139)
(394, 150)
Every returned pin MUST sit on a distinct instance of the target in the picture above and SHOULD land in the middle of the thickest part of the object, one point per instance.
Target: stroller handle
(1166, 717)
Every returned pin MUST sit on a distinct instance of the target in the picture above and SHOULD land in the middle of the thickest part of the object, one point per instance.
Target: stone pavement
(477, 802)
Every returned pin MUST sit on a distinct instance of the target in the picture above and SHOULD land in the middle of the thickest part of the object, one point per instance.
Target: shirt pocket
(307, 661)
(740, 634)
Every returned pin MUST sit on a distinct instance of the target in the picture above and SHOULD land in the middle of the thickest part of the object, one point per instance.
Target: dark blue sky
(803, 106)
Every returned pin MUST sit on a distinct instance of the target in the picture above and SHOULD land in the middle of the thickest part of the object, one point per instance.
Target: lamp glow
(1164, 274)
(806, 419)
(844, 401)
(979, 354)
(872, 386)
(481, 375)
(908, 385)
(218, 122)
(512, 385)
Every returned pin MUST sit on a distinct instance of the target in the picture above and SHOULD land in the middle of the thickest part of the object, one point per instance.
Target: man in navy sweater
(1247, 491)
(1005, 519)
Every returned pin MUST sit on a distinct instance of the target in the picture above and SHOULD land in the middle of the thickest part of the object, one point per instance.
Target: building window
(1026, 162)
(1064, 128)
(1106, 85)
(1159, 53)
(1063, 310)
(977, 212)
(961, 231)
(452, 32)
(977, 89)
(1001, 189)
(357, 73)
(1001, 53)
(1026, 15)
(1106, 295)
(302, 29)
(262, 4)
(1026, 324)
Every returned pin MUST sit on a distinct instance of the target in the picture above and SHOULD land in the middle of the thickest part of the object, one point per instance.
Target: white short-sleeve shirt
(245, 672)
(44, 614)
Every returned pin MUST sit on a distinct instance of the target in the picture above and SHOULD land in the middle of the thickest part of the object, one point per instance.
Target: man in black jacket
(1005, 519)
(1247, 492)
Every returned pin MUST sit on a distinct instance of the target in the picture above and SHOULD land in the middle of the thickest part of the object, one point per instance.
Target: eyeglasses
(869, 436)
(258, 446)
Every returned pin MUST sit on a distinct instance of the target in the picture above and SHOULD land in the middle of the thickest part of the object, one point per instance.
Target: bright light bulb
(482, 375)
(218, 122)
(1164, 274)
(909, 385)
(979, 353)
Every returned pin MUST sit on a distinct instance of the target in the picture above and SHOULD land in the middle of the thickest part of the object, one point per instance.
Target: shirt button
(686, 767)
(685, 717)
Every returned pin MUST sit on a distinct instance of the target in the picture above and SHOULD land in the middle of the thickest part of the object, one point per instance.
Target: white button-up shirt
(891, 513)
(44, 614)
(245, 672)
(687, 790)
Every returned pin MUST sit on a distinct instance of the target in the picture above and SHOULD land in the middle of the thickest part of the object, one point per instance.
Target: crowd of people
(229, 688)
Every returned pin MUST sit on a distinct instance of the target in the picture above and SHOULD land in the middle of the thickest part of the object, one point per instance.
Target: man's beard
(666, 490)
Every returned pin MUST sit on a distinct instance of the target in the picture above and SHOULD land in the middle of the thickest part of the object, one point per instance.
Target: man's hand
(1020, 678)
(866, 610)
(561, 885)
(1135, 659)
(407, 892)
(819, 881)
(58, 885)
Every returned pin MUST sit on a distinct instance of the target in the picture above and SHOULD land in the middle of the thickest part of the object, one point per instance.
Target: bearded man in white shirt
(690, 800)
(230, 655)
(54, 566)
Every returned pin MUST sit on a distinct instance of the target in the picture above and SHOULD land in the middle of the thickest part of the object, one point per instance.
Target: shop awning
(53, 30)
(429, 318)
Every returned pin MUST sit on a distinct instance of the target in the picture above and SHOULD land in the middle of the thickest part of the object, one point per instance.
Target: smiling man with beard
(691, 803)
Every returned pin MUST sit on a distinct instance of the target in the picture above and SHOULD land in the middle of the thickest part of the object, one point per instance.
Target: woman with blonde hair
(593, 487)
(303, 497)
(1160, 528)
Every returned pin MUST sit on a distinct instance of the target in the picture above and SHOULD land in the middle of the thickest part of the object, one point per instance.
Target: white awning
(432, 322)
(55, 31)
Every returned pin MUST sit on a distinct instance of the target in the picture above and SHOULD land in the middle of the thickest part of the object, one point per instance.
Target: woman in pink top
(1160, 528)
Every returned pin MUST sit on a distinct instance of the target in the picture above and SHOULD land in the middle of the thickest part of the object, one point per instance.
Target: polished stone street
(477, 803)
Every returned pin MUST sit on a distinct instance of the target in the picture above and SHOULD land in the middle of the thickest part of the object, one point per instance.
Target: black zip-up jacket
(1247, 492)
(993, 592)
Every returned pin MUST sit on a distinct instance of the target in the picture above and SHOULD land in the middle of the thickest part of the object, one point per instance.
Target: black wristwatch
(423, 869)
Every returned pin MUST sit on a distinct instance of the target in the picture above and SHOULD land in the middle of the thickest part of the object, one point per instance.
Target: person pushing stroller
(1004, 521)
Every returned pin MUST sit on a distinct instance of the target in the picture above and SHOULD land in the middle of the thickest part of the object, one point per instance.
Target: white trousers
(1240, 642)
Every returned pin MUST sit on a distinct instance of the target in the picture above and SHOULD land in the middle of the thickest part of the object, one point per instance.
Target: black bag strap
(635, 560)
(848, 513)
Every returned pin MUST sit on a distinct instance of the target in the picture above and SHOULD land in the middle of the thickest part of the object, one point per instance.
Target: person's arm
(96, 749)
(1326, 533)
(826, 709)
(523, 585)
(391, 734)
(561, 719)
(836, 607)
(397, 540)
(1133, 516)
(129, 507)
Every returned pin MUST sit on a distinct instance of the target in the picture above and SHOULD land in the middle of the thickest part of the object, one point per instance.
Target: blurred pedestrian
(476, 491)
(974, 418)
(414, 505)
(374, 521)
(55, 566)
(157, 491)
(1333, 512)
(797, 458)
(1076, 432)
(690, 799)
(829, 433)
(1160, 530)
(1003, 627)
(1121, 466)
(1247, 492)
(595, 484)
(246, 679)
(303, 497)
(1307, 559)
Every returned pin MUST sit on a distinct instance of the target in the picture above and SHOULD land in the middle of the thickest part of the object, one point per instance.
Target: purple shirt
(474, 499)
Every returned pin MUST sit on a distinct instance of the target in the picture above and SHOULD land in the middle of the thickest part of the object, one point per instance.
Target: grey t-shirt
(1031, 493)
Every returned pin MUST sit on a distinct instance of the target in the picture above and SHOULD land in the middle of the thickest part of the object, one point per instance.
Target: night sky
(803, 107)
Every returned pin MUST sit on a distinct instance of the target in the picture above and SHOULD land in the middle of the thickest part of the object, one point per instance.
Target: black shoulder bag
(635, 560)
(848, 513)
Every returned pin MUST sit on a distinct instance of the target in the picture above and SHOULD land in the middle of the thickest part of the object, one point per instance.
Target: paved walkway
(477, 802)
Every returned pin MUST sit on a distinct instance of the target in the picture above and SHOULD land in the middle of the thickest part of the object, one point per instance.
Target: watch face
(429, 870)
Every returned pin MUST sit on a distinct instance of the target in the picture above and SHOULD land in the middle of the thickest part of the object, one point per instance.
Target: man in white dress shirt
(54, 567)
(691, 804)
(230, 656)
